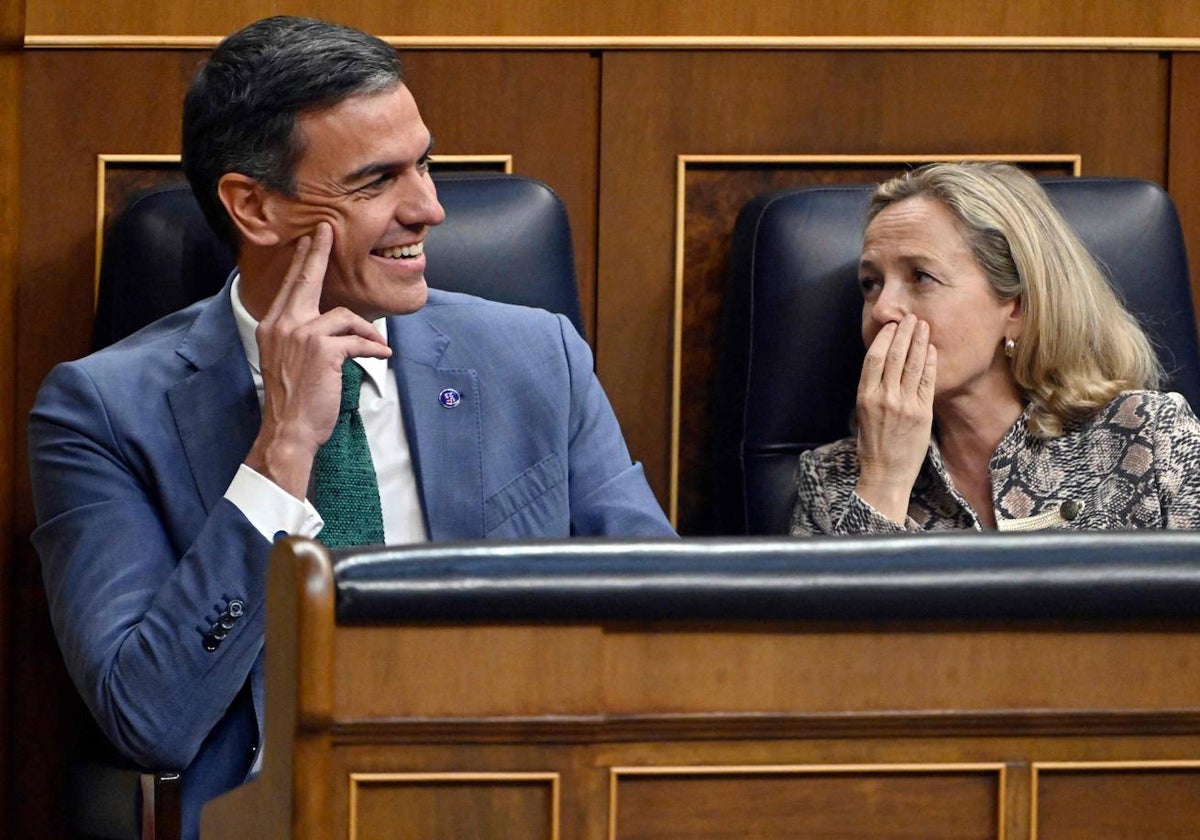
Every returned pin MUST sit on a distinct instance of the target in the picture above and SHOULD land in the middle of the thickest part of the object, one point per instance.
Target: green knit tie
(347, 492)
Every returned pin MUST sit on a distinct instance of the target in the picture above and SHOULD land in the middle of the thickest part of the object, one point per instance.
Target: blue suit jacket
(132, 450)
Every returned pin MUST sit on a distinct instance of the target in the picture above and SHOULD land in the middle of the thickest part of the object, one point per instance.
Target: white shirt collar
(376, 369)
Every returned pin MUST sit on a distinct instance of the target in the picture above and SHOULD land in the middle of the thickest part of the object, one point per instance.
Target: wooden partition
(11, 28)
(593, 730)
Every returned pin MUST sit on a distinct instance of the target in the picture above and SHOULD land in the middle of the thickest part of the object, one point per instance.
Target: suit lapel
(445, 442)
(217, 417)
(215, 409)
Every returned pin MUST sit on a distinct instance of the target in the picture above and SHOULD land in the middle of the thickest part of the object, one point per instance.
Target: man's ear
(247, 203)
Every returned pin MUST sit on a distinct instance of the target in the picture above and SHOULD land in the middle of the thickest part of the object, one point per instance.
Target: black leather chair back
(505, 238)
(792, 349)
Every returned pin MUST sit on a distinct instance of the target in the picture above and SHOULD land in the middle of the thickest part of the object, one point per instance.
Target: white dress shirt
(273, 510)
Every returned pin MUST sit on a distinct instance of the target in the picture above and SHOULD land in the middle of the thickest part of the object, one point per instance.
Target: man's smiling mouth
(404, 252)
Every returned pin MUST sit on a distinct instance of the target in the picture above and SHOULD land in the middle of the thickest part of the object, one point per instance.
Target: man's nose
(421, 206)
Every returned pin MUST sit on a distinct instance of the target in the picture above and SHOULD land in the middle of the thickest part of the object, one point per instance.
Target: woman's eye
(869, 285)
(922, 277)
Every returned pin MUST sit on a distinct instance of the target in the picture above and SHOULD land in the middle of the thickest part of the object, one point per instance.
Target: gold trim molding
(681, 166)
(665, 42)
(998, 768)
(1038, 767)
(554, 780)
(102, 164)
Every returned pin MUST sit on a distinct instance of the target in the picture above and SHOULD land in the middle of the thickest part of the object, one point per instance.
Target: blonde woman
(1004, 386)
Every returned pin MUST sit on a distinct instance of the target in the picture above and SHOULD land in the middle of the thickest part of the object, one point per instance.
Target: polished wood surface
(719, 729)
(451, 806)
(1161, 18)
(1155, 799)
(793, 804)
(1183, 161)
(541, 109)
(814, 670)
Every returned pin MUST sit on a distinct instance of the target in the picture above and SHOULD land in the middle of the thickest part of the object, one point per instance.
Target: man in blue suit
(164, 466)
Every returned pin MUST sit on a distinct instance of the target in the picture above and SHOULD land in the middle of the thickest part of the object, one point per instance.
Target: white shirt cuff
(273, 511)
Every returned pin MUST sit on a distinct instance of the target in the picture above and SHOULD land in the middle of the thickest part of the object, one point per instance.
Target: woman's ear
(1016, 317)
(247, 204)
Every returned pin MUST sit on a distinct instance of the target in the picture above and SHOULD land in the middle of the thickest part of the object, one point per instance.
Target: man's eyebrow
(380, 167)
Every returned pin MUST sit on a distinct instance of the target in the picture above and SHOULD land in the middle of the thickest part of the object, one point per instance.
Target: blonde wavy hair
(1079, 347)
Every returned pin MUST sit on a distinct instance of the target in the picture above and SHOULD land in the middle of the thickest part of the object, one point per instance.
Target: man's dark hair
(240, 113)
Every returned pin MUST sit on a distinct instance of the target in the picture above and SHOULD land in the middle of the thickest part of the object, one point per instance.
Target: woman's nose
(889, 305)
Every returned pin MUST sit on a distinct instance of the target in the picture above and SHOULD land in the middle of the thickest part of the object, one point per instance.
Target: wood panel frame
(933, 768)
(597, 702)
(554, 780)
(12, 25)
(1040, 768)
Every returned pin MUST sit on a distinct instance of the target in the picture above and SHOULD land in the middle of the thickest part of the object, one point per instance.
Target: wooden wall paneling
(553, 787)
(1183, 163)
(1110, 108)
(448, 806)
(891, 765)
(11, 28)
(74, 106)
(719, 728)
(911, 669)
(790, 803)
(1018, 790)
(1161, 18)
(1082, 800)
(538, 107)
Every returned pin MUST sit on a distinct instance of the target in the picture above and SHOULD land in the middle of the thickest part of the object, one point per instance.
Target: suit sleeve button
(236, 607)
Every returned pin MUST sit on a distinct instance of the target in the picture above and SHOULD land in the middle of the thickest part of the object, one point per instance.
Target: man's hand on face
(302, 351)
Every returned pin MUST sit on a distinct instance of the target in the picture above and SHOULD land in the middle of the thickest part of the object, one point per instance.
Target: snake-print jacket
(1134, 464)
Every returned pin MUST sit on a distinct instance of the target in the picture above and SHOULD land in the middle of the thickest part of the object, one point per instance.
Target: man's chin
(391, 300)
(415, 298)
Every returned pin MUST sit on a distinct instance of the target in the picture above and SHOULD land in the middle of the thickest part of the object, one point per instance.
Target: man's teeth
(403, 253)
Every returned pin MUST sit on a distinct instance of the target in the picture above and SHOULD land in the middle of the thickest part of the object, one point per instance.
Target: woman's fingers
(928, 382)
(896, 358)
(876, 358)
(897, 354)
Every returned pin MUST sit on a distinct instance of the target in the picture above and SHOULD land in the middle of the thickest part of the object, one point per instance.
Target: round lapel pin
(449, 398)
